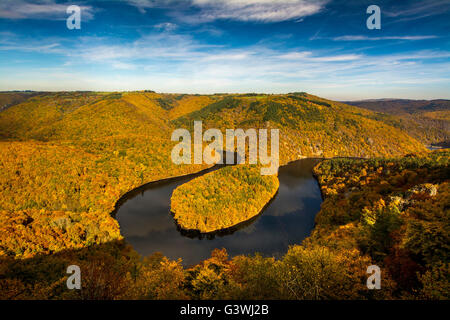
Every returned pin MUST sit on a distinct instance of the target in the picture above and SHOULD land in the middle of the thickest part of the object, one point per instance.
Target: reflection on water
(433, 147)
(147, 224)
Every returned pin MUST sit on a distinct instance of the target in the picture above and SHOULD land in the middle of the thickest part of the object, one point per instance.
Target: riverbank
(194, 232)
(148, 226)
(330, 264)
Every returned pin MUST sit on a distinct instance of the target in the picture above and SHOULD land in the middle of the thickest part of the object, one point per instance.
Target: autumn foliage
(67, 157)
(222, 198)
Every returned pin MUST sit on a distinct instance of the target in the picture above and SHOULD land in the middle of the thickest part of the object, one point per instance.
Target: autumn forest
(66, 158)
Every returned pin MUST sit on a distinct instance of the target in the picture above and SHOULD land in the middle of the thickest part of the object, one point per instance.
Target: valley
(426, 120)
(68, 157)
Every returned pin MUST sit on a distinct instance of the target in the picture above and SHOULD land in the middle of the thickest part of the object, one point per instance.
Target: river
(147, 224)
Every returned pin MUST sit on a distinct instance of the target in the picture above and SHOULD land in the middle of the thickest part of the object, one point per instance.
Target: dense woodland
(8, 99)
(389, 212)
(67, 157)
(309, 126)
(395, 211)
(222, 198)
(427, 121)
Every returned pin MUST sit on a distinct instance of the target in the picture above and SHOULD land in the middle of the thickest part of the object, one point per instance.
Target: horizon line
(219, 93)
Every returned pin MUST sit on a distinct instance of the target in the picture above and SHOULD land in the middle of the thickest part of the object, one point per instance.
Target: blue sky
(204, 46)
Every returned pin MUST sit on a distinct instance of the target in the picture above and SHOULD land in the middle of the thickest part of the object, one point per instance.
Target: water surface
(147, 224)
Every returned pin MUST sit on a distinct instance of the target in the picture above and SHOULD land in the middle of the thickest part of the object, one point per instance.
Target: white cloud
(143, 5)
(429, 7)
(295, 55)
(32, 47)
(40, 9)
(238, 55)
(337, 58)
(166, 26)
(123, 66)
(240, 10)
(258, 10)
(170, 62)
(366, 38)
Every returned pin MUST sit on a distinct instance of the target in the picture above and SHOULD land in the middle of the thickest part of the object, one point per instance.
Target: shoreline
(146, 185)
(195, 232)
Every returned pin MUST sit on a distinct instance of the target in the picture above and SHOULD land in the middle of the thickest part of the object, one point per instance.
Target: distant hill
(67, 157)
(425, 120)
(120, 140)
(310, 126)
(402, 106)
(8, 99)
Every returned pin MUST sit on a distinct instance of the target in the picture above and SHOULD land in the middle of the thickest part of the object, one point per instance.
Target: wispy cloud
(258, 10)
(418, 9)
(240, 10)
(337, 58)
(143, 5)
(366, 38)
(165, 26)
(40, 9)
(178, 63)
(401, 13)
(123, 66)
(309, 56)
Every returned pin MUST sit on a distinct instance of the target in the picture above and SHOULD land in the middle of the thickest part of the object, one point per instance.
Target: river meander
(147, 224)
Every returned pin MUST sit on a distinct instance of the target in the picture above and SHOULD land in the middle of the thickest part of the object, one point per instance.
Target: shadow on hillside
(107, 272)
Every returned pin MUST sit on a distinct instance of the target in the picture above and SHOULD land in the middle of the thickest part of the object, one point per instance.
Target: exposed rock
(427, 188)
(400, 202)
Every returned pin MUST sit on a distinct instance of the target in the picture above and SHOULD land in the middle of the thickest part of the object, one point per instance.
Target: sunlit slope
(93, 116)
(186, 104)
(130, 128)
(8, 99)
(396, 211)
(222, 198)
(63, 116)
(309, 126)
(21, 120)
(425, 120)
(79, 152)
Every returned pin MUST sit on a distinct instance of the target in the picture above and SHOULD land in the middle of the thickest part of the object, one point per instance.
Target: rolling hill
(67, 157)
(425, 120)
(8, 99)
(78, 152)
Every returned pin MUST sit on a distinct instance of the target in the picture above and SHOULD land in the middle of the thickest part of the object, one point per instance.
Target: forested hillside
(223, 198)
(309, 126)
(390, 212)
(67, 157)
(80, 151)
(8, 99)
(425, 120)
(394, 210)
